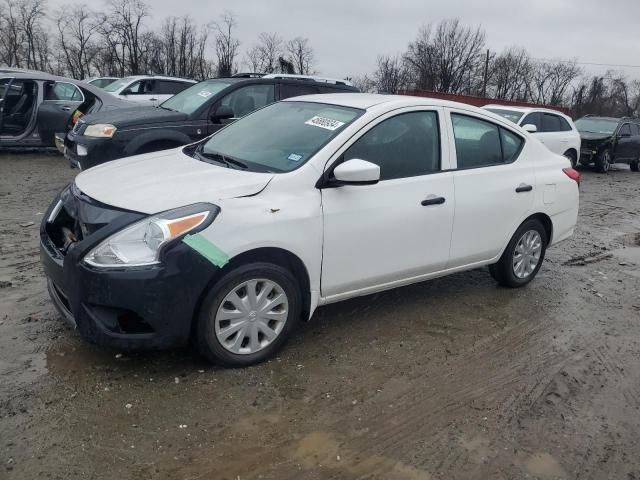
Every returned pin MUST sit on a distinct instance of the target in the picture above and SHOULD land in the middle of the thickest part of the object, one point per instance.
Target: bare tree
(391, 75)
(226, 45)
(301, 55)
(365, 84)
(75, 36)
(264, 56)
(550, 81)
(125, 19)
(11, 35)
(508, 74)
(447, 59)
(31, 14)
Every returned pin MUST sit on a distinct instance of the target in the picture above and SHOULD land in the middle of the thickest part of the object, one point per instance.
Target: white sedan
(316, 199)
(553, 128)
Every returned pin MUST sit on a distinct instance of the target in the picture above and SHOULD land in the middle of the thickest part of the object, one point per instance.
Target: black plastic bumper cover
(162, 298)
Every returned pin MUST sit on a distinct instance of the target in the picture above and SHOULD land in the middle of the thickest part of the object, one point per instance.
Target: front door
(625, 146)
(399, 228)
(494, 192)
(5, 84)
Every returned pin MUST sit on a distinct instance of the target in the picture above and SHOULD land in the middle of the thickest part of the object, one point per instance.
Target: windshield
(596, 125)
(117, 85)
(189, 100)
(280, 137)
(510, 115)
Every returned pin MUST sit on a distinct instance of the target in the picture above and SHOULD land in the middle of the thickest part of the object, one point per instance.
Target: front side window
(625, 130)
(119, 84)
(278, 138)
(141, 87)
(194, 97)
(480, 143)
(406, 145)
(533, 119)
(247, 99)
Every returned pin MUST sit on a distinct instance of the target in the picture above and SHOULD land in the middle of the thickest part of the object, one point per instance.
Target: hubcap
(251, 316)
(606, 160)
(527, 254)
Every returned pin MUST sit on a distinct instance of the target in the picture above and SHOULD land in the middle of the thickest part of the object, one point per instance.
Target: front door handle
(65, 108)
(432, 201)
(524, 188)
(153, 99)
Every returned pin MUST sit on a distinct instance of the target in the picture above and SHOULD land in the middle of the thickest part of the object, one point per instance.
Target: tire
(603, 161)
(573, 158)
(255, 337)
(505, 271)
(635, 166)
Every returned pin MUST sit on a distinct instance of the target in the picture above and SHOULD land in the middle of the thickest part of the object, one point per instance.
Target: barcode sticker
(323, 122)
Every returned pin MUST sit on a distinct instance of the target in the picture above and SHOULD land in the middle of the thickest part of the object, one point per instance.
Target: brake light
(76, 115)
(572, 174)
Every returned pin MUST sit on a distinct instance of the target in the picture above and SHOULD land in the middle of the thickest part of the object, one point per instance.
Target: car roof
(525, 109)
(368, 100)
(161, 77)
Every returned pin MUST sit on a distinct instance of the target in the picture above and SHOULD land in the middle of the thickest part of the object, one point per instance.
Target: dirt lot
(450, 379)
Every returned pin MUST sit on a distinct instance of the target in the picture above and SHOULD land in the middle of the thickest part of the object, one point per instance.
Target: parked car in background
(607, 140)
(148, 89)
(232, 240)
(555, 129)
(101, 82)
(36, 107)
(191, 115)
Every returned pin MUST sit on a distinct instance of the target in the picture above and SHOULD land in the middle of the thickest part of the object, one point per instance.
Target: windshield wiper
(167, 108)
(220, 158)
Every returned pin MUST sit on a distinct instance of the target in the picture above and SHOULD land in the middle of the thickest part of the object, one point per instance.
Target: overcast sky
(347, 35)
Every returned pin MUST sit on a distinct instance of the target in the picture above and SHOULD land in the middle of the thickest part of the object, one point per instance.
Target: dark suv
(607, 140)
(189, 116)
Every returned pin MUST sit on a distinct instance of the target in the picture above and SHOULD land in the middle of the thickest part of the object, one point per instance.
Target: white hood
(159, 181)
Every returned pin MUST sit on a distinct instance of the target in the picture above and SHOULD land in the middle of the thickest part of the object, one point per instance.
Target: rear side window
(564, 125)
(635, 129)
(551, 123)
(288, 90)
(625, 130)
(406, 145)
(63, 91)
(480, 143)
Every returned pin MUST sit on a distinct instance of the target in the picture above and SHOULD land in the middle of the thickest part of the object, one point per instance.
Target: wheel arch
(278, 256)
(546, 222)
(159, 137)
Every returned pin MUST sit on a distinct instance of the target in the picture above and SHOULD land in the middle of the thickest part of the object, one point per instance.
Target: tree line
(448, 57)
(79, 42)
(452, 58)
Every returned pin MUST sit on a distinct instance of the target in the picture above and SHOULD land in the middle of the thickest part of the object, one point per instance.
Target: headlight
(140, 244)
(100, 130)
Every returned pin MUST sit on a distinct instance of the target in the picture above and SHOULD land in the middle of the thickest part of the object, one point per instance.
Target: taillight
(573, 174)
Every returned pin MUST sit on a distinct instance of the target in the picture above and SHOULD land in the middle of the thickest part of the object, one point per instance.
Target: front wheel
(523, 257)
(603, 161)
(635, 166)
(248, 315)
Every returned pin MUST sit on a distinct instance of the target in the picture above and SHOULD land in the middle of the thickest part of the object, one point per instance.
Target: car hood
(159, 181)
(130, 117)
(594, 137)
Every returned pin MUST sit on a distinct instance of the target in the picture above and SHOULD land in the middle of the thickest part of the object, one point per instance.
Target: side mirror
(530, 127)
(126, 91)
(223, 112)
(357, 172)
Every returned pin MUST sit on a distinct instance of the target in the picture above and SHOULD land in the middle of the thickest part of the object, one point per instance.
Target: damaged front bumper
(129, 308)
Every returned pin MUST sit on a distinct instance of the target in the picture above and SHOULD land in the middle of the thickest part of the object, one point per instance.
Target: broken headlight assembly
(141, 243)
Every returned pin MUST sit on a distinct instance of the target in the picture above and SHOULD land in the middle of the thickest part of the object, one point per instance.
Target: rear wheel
(523, 257)
(603, 161)
(635, 166)
(248, 315)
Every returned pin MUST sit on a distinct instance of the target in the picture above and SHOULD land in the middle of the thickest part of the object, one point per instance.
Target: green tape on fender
(207, 249)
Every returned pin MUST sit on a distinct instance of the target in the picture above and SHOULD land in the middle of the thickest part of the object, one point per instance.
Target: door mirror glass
(223, 112)
(357, 172)
(530, 127)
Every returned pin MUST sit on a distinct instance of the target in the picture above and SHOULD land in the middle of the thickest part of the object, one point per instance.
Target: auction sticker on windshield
(205, 94)
(324, 122)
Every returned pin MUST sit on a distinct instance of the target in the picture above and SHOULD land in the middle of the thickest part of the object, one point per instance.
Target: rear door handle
(524, 188)
(432, 201)
(153, 99)
(65, 108)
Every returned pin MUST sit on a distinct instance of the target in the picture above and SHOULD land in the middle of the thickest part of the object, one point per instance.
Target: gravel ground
(450, 379)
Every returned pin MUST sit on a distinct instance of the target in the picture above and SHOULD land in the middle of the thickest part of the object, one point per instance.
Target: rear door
(61, 99)
(625, 147)
(5, 85)
(493, 191)
(552, 135)
(141, 91)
